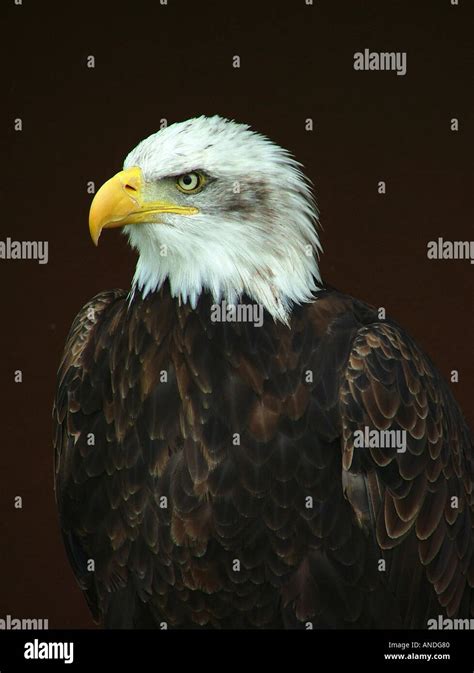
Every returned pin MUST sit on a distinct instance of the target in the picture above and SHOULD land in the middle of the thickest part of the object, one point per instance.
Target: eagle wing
(76, 396)
(419, 502)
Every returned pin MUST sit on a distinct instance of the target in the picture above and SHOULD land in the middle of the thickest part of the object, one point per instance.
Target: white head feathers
(255, 229)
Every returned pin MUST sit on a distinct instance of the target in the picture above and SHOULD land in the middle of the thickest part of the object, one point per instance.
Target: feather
(216, 491)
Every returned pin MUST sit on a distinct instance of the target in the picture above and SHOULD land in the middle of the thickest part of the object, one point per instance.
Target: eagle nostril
(130, 187)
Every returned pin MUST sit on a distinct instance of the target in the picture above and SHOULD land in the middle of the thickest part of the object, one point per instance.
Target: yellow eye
(190, 182)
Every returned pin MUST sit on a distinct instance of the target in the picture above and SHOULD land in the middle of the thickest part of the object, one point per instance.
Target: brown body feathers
(210, 469)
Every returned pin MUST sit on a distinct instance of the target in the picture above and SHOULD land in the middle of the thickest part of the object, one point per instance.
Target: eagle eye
(190, 182)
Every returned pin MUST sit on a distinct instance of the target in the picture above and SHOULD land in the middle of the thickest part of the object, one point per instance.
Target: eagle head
(213, 206)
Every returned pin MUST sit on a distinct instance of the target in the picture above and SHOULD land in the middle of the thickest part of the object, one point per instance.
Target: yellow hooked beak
(120, 201)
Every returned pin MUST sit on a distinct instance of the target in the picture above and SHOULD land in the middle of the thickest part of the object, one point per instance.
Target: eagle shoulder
(74, 365)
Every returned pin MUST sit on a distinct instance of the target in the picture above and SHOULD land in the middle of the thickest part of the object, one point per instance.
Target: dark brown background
(175, 61)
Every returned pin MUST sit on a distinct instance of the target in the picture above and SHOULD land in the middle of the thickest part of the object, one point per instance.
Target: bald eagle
(213, 469)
